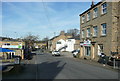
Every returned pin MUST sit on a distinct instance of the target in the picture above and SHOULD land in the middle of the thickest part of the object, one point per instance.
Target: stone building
(57, 39)
(40, 45)
(100, 30)
(65, 41)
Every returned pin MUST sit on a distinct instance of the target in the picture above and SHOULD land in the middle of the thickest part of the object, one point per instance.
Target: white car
(55, 53)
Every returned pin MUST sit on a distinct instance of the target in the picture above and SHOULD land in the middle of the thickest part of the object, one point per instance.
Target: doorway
(87, 50)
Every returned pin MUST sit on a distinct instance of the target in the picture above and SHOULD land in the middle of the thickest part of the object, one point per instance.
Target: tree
(45, 39)
(31, 37)
(29, 41)
(74, 32)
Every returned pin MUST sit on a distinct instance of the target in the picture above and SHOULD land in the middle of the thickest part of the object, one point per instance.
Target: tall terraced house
(100, 30)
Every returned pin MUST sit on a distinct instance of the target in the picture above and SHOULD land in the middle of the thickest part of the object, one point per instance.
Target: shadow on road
(49, 70)
(45, 70)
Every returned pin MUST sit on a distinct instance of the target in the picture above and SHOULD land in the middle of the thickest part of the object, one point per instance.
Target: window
(88, 32)
(100, 49)
(83, 34)
(95, 31)
(95, 12)
(58, 42)
(69, 40)
(88, 16)
(103, 29)
(83, 19)
(104, 8)
(7, 44)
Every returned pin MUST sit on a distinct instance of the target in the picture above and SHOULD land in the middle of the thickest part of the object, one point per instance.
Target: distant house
(63, 42)
(40, 45)
(58, 42)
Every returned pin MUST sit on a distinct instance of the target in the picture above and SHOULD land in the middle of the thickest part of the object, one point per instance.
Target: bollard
(114, 63)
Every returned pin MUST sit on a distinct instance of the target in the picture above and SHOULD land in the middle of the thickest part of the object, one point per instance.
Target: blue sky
(40, 18)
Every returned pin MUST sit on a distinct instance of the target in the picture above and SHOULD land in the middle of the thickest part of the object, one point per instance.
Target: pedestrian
(103, 56)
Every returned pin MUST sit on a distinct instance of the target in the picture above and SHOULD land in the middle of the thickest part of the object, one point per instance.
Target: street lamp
(15, 35)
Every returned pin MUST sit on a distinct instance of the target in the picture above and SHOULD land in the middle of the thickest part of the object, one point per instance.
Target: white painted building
(60, 44)
(65, 45)
(70, 44)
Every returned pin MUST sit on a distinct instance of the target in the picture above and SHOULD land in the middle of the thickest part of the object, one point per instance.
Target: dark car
(75, 53)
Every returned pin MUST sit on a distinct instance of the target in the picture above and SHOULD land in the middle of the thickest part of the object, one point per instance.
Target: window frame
(83, 33)
(95, 12)
(104, 8)
(88, 32)
(88, 16)
(83, 19)
(95, 31)
(59, 42)
(103, 29)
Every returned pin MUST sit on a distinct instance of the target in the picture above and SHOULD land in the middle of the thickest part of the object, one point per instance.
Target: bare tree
(29, 42)
(74, 32)
(45, 39)
(31, 37)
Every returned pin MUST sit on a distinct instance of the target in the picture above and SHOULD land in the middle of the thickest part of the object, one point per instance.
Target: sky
(45, 19)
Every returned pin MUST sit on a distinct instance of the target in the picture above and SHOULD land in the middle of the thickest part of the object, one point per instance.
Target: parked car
(75, 53)
(55, 53)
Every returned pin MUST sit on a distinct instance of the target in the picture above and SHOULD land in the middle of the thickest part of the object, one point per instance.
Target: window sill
(87, 37)
(94, 18)
(103, 35)
(82, 23)
(103, 14)
(94, 36)
(88, 20)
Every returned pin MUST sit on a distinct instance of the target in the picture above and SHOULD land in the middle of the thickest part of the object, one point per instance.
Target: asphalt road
(46, 66)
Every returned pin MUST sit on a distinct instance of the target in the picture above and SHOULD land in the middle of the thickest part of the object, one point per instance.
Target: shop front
(87, 49)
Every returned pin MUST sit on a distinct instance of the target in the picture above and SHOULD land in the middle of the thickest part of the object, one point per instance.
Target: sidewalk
(95, 63)
(91, 62)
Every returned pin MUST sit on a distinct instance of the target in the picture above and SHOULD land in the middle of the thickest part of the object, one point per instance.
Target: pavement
(91, 62)
(46, 66)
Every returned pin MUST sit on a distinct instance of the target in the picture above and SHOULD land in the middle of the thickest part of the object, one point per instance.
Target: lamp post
(15, 35)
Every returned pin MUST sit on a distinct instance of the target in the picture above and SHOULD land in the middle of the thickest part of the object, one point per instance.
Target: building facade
(64, 42)
(58, 41)
(40, 45)
(17, 46)
(100, 30)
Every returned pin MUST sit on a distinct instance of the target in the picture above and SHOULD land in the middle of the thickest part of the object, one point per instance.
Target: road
(46, 66)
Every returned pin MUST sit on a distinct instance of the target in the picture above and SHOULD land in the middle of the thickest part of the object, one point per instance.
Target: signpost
(86, 43)
(12, 46)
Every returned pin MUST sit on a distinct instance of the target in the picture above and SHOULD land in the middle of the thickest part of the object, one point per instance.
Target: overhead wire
(46, 13)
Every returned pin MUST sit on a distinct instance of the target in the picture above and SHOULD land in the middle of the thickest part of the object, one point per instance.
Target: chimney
(62, 32)
(92, 3)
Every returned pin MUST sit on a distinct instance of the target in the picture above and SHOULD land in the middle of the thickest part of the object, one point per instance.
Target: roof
(76, 38)
(66, 34)
(91, 8)
(54, 37)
